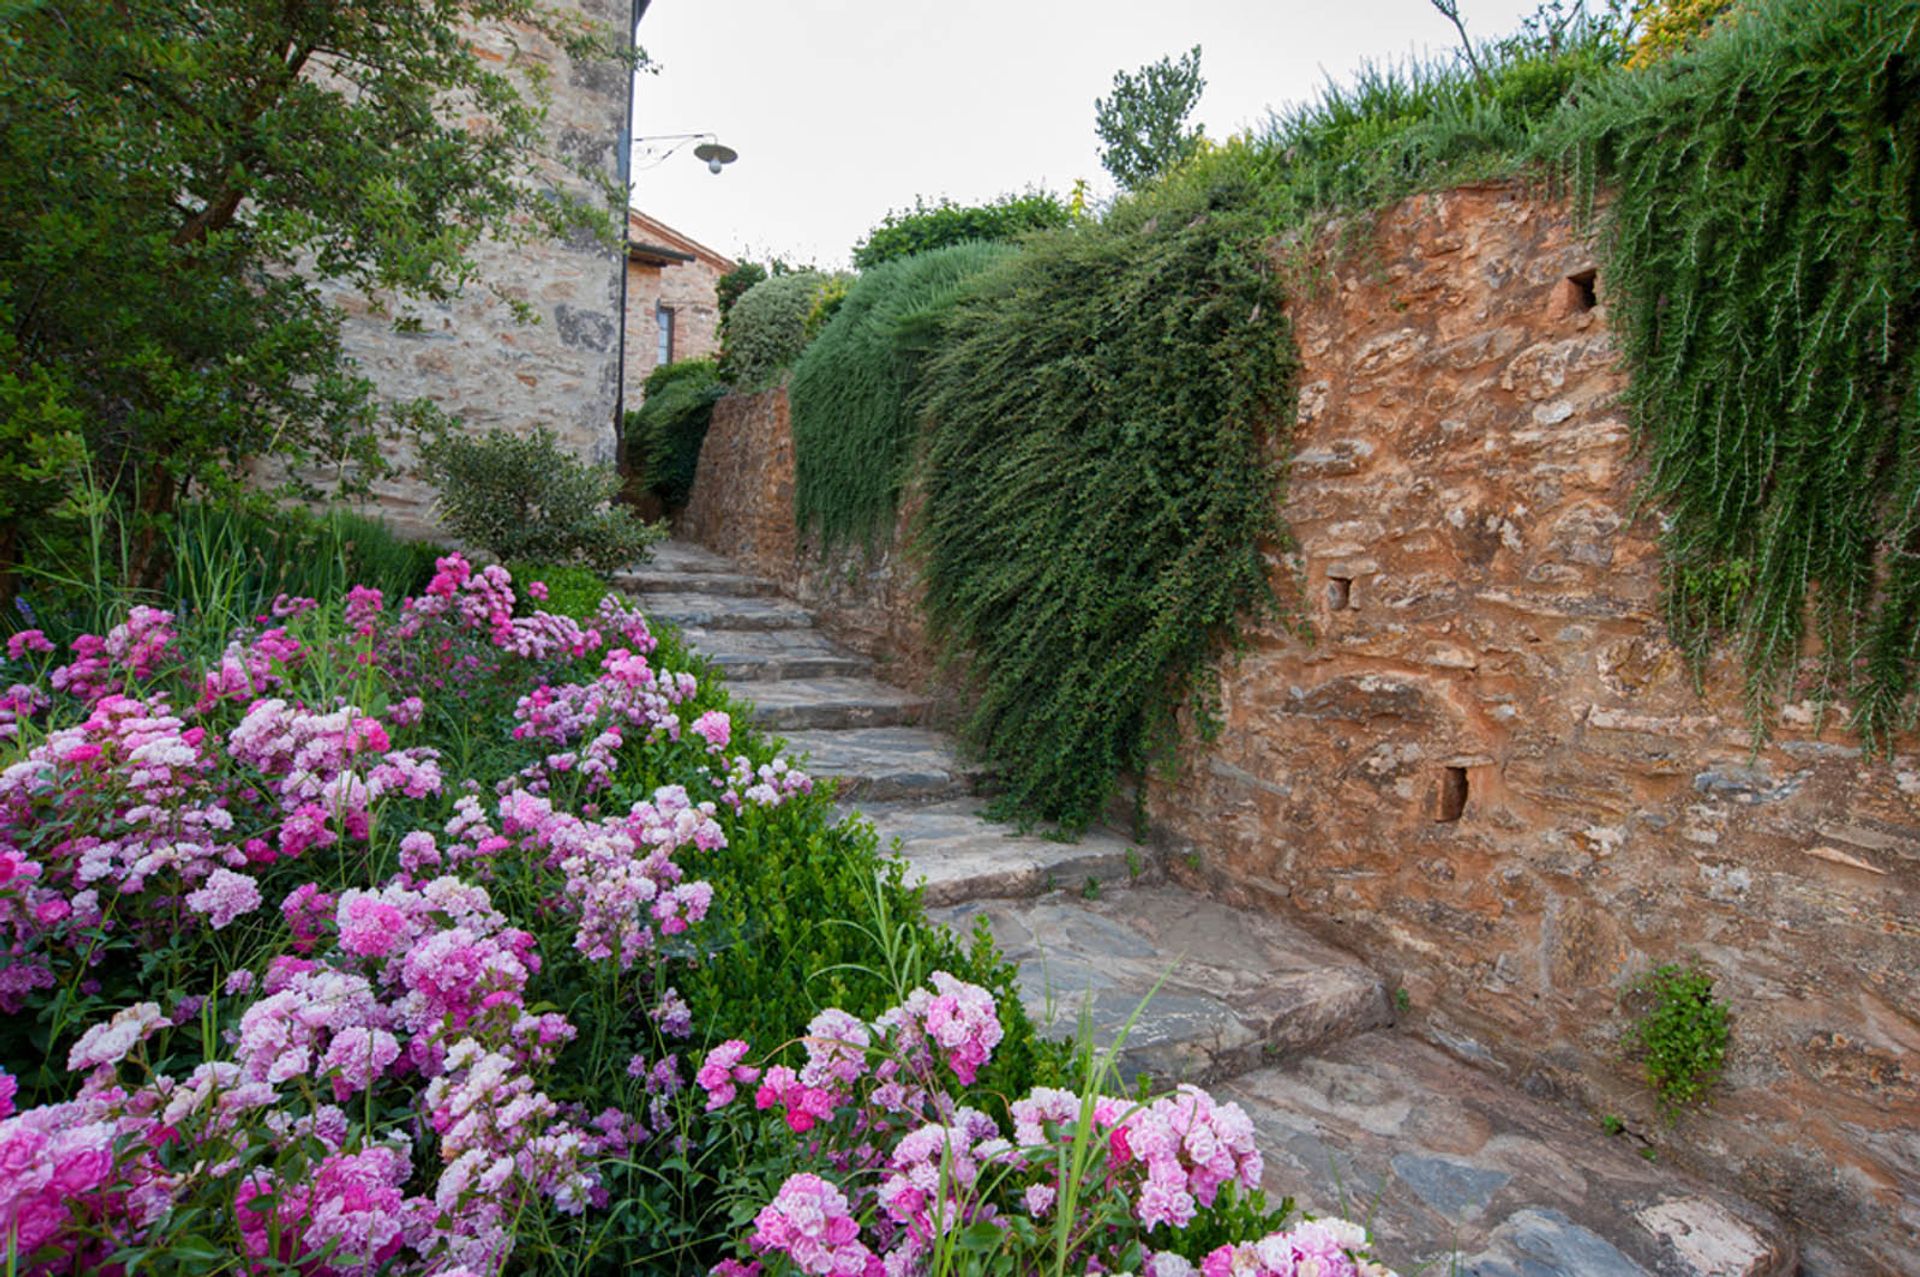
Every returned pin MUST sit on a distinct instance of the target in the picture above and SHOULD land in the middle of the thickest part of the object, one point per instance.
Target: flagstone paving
(1456, 1170)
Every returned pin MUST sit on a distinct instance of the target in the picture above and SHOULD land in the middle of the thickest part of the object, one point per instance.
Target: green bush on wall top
(1098, 487)
(853, 389)
(925, 226)
(664, 434)
(1761, 252)
(767, 328)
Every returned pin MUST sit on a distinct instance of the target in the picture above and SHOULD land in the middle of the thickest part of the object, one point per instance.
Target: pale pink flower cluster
(1190, 1147)
(1317, 1248)
(769, 785)
(957, 1017)
(250, 669)
(137, 648)
(809, 1222)
(224, 896)
(721, 1073)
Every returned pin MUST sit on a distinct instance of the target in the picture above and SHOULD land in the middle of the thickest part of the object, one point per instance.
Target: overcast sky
(844, 109)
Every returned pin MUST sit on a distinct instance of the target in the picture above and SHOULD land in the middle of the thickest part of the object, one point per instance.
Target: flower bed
(430, 935)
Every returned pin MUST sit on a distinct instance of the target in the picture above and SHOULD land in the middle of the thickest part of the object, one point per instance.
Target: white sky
(844, 109)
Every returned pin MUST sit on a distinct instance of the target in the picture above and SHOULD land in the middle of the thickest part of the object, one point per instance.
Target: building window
(663, 320)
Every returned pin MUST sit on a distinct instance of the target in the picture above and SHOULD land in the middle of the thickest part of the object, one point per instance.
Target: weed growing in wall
(1682, 1035)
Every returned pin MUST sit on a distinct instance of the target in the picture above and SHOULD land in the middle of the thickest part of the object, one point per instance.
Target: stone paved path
(1456, 1171)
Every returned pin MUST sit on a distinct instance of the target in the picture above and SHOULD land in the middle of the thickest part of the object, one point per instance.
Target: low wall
(1488, 771)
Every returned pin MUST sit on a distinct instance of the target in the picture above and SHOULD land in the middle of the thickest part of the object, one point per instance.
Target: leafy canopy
(1142, 125)
(925, 227)
(179, 177)
(1097, 483)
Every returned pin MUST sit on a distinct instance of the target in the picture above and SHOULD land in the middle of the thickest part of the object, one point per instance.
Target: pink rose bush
(393, 936)
(915, 1169)
(372, 1085)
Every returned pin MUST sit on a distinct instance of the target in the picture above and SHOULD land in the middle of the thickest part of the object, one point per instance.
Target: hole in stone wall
(1339, 593)
(1453, 794)
(1582, 294)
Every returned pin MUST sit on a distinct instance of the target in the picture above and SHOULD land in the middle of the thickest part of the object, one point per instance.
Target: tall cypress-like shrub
(854, 390)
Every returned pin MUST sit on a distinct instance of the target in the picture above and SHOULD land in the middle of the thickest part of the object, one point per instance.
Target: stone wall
(470, 355)
(742, 506)
(1488, 771)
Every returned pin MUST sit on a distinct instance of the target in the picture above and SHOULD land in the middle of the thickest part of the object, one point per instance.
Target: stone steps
(957, 856)
(886, 764)
(1211, 991)
(1456, 1171)
(754, 656)
(694, 611)
(796, 704)
(666, 581)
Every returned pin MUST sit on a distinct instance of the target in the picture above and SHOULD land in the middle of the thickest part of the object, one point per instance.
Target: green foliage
(925, 227)
(571, 591)
(227, 561)
(826, 304)
(1397, 128)
(524, 496)
(731, 285)
(1142, 126)
(1098, 485)
(1682, 1035)
(767, 328)
(1760, 253)
(1668, 27)
(854, 425)
(175, 180)
(664, 434)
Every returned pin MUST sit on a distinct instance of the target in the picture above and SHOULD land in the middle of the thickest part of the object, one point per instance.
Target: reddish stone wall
(742, 506)
(1488, 771)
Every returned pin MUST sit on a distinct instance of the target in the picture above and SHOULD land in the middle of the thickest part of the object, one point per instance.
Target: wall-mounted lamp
(711, 152)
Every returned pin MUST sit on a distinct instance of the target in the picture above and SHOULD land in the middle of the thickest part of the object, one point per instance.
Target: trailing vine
(1098, 486)
(1762, 255)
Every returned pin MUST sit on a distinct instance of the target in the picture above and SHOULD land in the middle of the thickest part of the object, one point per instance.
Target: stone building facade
(470, 355)
(673, 307)
(1487, 770)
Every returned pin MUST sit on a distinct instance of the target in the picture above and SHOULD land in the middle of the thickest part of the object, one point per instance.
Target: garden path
(1455, 1169)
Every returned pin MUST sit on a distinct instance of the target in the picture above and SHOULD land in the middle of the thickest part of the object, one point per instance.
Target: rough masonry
(470, 355)
(1487, 771)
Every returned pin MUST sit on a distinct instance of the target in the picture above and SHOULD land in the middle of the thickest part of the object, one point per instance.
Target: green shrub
(1682, 1035)
(853, 423)
(663, 435)
(728, 288)
(925, 227)
(571, 591)
(767, 328)
(826, 304)
(1759, 256)
(525, 497)
(1098, 488)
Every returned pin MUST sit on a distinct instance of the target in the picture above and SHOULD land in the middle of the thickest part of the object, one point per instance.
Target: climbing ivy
(1761, 255)
(853, 424)
(1098, 483)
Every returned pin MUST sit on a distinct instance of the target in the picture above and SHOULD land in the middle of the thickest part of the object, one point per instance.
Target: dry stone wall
(470, 355)
(1487, 770)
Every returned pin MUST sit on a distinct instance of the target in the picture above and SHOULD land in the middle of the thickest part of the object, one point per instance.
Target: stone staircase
(1455, 1170)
